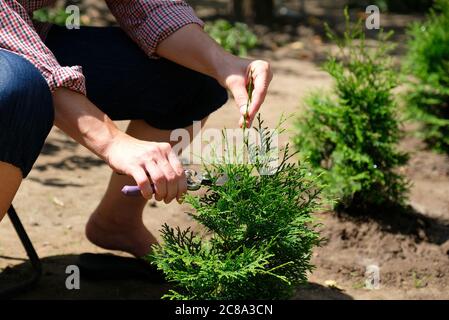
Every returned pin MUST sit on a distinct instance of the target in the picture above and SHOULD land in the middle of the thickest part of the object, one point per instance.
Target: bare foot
(111, 235)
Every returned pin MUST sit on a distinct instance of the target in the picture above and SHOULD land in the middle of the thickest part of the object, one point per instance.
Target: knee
(23, 88)
(26, 111)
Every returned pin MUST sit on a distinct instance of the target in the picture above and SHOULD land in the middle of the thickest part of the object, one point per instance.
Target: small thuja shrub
(350, 134)
(427, 62)
(259, 231)
(236, 38)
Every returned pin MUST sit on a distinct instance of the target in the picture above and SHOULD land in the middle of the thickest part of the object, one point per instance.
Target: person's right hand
(84, 122)
(148, 163)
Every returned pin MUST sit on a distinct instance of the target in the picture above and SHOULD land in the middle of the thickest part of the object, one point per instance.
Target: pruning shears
(195, 181)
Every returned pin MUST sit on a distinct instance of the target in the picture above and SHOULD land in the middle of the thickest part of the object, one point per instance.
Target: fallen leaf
(333, 285)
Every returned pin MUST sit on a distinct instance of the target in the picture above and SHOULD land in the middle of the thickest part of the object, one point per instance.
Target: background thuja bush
(236, 38)
(260, 232)
(427, 62)
(350, 134)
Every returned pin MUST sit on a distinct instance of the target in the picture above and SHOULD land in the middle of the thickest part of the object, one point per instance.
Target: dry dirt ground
(411, 249)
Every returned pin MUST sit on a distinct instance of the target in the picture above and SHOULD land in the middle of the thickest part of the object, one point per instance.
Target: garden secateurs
(195, 181)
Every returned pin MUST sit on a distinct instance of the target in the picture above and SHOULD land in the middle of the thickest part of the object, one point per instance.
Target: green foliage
(260, 230)
(428, 63)
(236, 38)
(56, 16)
(350, 134)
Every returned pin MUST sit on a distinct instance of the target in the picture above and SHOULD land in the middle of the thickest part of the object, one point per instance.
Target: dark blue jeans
(26, 111)
(121, 80)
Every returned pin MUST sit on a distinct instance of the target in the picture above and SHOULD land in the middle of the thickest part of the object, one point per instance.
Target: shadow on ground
(52, 284)
(406, 221)
(315, 291)
(72, 163)
(54, 145)
(56, 182)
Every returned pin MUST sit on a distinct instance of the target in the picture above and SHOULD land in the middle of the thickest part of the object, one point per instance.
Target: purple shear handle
(194, 183)
(133, 191)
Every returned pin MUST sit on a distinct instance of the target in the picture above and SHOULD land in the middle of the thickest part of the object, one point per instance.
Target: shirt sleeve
(149, 22)
(18, 35)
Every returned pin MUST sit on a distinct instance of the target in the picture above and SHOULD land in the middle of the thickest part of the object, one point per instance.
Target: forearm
(191, 47)
(195, 49)
(83, 121)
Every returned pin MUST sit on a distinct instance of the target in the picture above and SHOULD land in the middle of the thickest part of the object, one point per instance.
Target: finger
(182, 187)
(262, 81)
(171, 180)
(159, 180)
(141, 178)
(169, 170)
(240, 93)
(245, 121)
(180, 173)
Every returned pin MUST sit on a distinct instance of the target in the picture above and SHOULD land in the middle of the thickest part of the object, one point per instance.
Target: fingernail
(244, 110)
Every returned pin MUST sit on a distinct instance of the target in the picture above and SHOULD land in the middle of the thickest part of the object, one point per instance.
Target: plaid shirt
(147, 22)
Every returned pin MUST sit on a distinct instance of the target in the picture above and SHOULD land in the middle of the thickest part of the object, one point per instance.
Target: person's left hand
(236, 78)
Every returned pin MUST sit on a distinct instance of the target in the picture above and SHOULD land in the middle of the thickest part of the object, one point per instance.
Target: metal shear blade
(195, 181)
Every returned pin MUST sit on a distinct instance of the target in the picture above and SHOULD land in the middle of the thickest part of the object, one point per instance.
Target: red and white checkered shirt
(147, 22)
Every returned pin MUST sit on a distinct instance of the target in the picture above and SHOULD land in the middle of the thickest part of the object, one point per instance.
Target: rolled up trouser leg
(26, 111)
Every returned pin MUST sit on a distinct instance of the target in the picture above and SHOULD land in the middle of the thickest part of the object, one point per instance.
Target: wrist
(227, 66)
(83, 121)
(101, 137)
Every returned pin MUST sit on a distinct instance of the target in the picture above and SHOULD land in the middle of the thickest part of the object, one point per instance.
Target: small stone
(153, 204)
(58, 202)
